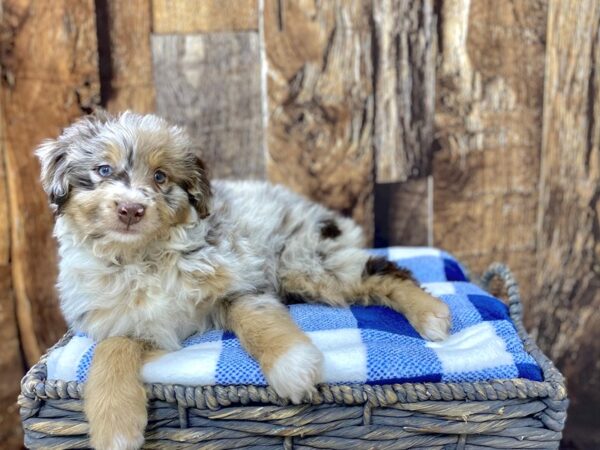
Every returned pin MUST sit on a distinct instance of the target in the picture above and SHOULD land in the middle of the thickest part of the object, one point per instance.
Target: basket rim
(36, 388)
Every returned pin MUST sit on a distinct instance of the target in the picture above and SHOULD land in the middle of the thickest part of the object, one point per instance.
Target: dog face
(124, 179)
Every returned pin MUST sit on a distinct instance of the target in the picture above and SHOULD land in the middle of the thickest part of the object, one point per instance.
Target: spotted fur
(329, 229)
(379, 266)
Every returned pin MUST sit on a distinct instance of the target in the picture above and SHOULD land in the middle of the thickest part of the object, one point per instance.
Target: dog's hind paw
(430, 317)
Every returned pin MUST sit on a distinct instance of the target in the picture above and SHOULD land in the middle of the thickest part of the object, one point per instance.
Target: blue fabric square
(489, 307)
(200, 338)
(453, 270)
(395, 358)
(383, 319)
(425, 269)
(228, 335)
(530, 372)
(236, 366)
(321, 317)
(463, 313)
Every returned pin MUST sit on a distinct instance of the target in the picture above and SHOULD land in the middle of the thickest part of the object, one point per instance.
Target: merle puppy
(151, 252)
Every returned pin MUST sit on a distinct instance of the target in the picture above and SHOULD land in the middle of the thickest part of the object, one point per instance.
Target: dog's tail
(115, 398)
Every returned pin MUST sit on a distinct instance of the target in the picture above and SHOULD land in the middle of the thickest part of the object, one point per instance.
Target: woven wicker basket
(508, 414)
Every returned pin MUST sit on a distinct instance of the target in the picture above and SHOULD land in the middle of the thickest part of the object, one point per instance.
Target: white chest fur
(147, 300)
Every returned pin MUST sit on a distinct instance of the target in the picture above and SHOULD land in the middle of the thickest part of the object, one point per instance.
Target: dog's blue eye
(160, 177)
(105, 171)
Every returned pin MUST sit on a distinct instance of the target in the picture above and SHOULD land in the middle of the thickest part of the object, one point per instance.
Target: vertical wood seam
(264, 97)
(12, 298)
(430, 216)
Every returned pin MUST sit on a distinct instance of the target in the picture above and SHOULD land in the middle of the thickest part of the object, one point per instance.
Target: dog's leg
(289, 360)
(384, 283)
(343, 275)
(115, 398)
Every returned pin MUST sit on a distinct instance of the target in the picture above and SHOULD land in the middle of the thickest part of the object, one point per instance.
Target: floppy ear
(53, 159)
(54, 155)
(198, 187)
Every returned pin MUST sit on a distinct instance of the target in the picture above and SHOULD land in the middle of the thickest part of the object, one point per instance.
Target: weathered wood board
(211, 84)
(11, 362)
(404, 51)
(320, 102)
(336, 99)
(566, 307)
(194, 16)
(125, 57)
(11, 365)
(488, 118)
(50, 76)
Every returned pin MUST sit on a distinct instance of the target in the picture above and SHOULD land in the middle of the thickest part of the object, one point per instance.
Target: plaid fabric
(372, 345)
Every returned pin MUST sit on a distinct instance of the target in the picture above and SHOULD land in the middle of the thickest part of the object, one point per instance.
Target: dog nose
(130, 212)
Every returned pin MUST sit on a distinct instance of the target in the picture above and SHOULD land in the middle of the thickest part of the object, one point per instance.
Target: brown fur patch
(264, 327)
(158, 158)
(83, 208)
(213, 284)
(330, 229)
(115, 398)
(382, 267)
(197, 186)
(182, 215)
(113, 154)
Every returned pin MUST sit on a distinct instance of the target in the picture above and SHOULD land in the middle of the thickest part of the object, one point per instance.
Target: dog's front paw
(431, 318)
(120, 437)
(295, 373)
(117, 425)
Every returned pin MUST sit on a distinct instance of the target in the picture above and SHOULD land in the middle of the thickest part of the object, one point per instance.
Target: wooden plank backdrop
(473, 125)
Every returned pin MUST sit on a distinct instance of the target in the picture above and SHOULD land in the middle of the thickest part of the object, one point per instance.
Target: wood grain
(210, 83)
(125, 57)
(320, 102)
(11, 362)
(488, 118)
(404, 48)
(194, 16)
(11, 365)
(50, 76)
(566, 311)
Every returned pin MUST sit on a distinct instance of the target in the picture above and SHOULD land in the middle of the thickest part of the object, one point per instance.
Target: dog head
(124, 179)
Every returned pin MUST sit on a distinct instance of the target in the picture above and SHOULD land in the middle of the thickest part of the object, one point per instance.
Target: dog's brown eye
(160, 177)
(104, 171)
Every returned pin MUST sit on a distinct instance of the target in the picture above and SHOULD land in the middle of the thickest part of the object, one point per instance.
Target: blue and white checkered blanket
(373, 345)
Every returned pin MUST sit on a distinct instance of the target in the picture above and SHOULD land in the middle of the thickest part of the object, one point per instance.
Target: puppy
(151, 252)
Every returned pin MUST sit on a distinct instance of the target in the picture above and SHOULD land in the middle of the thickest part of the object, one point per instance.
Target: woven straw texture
(507, 414)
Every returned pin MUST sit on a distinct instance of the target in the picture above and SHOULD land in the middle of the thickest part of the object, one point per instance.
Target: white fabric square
(344, 353)
(475, 348)
(439, 288)
(63, 362)
(196, 364)
(396, 253)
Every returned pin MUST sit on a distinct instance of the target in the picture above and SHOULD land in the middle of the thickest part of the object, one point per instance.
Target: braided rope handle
(501, 271)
